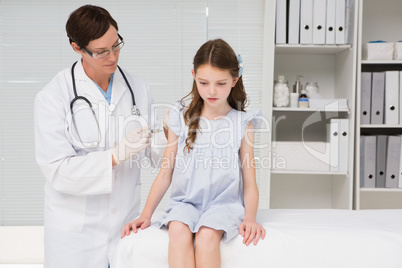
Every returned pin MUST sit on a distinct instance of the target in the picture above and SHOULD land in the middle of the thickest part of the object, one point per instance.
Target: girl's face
(104, 66)
(214, 84)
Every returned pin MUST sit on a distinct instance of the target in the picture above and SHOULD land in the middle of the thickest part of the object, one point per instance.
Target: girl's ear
(193, 73)
(235, 79)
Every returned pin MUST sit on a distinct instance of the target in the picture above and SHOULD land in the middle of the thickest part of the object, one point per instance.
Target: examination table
(322, 238)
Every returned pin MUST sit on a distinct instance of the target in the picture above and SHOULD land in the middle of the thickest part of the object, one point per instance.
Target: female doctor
(89, 120)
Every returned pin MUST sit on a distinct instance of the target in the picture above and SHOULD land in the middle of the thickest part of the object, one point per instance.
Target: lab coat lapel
(119, 87)
(92, 92)
(88, 86)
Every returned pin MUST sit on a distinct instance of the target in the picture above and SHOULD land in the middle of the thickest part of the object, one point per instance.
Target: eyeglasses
(106, 53)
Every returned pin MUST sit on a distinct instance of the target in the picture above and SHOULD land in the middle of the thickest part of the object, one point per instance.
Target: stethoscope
(134, 109)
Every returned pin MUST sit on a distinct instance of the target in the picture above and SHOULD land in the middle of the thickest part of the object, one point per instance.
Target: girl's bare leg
(181, 246)
(207, 248)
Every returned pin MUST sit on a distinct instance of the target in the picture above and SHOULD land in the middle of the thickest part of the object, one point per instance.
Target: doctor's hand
(142, 223)
(133, 143)
(250, 230)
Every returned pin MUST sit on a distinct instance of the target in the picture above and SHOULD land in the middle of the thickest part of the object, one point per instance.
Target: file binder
(343, 144)
(367, 161)
(400, 98)
(393, 159)
(294, 22)
(365, 98)
(330, 22)
(319, 21)
(391, 111)
(381, 161)
(338, 138)
(306, 21)
(377, 98)
(333, 139)
(340, 15)
(400, 168)
(281, 22)
(349, 21)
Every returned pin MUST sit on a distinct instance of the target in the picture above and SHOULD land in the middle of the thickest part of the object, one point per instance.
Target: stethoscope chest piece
(135, 111)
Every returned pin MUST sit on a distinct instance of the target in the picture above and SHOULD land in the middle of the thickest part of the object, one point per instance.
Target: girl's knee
(179, 233)
(208, 238)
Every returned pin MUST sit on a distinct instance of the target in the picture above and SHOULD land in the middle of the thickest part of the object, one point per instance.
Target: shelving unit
(378, 20)
(333, 67)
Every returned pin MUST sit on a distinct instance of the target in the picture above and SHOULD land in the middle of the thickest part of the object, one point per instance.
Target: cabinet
(378, 20)
(312, 184)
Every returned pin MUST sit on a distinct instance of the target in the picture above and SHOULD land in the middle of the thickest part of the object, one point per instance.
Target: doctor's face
(105, 65)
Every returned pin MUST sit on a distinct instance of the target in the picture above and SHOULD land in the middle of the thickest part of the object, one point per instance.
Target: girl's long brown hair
(218, 54)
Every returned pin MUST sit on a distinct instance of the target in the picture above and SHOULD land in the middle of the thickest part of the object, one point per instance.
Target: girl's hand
(251, 230)
(140, 222)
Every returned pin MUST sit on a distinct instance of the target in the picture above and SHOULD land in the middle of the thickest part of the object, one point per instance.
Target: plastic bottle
(303, 100)
(281, 92)
(311, 89)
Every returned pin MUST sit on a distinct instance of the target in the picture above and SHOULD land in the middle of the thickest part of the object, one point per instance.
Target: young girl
(209, 161)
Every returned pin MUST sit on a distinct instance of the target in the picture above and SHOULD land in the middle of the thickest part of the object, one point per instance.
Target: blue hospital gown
(207, 186)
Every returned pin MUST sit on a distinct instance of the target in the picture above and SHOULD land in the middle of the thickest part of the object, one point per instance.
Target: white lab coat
(87, 201)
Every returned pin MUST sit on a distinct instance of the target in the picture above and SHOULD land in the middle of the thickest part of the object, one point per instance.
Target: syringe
(153, 131)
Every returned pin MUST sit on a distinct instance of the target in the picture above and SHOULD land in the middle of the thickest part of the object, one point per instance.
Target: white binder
(281, 22)
(381, 163)
(400, 168)
(391, 110)
(365, 98)
(294, 22)
(340, 22)
(393, 162)
(333, 139)
(377, 98)
(319, 21)
(400, 98)
(367, 161)
(343, 144)
(349, 21)
(330, 22)
(306, 21)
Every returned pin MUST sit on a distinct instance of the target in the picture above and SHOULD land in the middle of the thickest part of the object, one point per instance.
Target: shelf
(307, 172)
(380, 129)
(312, 49)
(381, 190)
(381, 126)
(310, 110)
(381, 62)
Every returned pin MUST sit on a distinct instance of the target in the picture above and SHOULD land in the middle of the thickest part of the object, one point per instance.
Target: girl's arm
(159, 187)
(249, 228)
